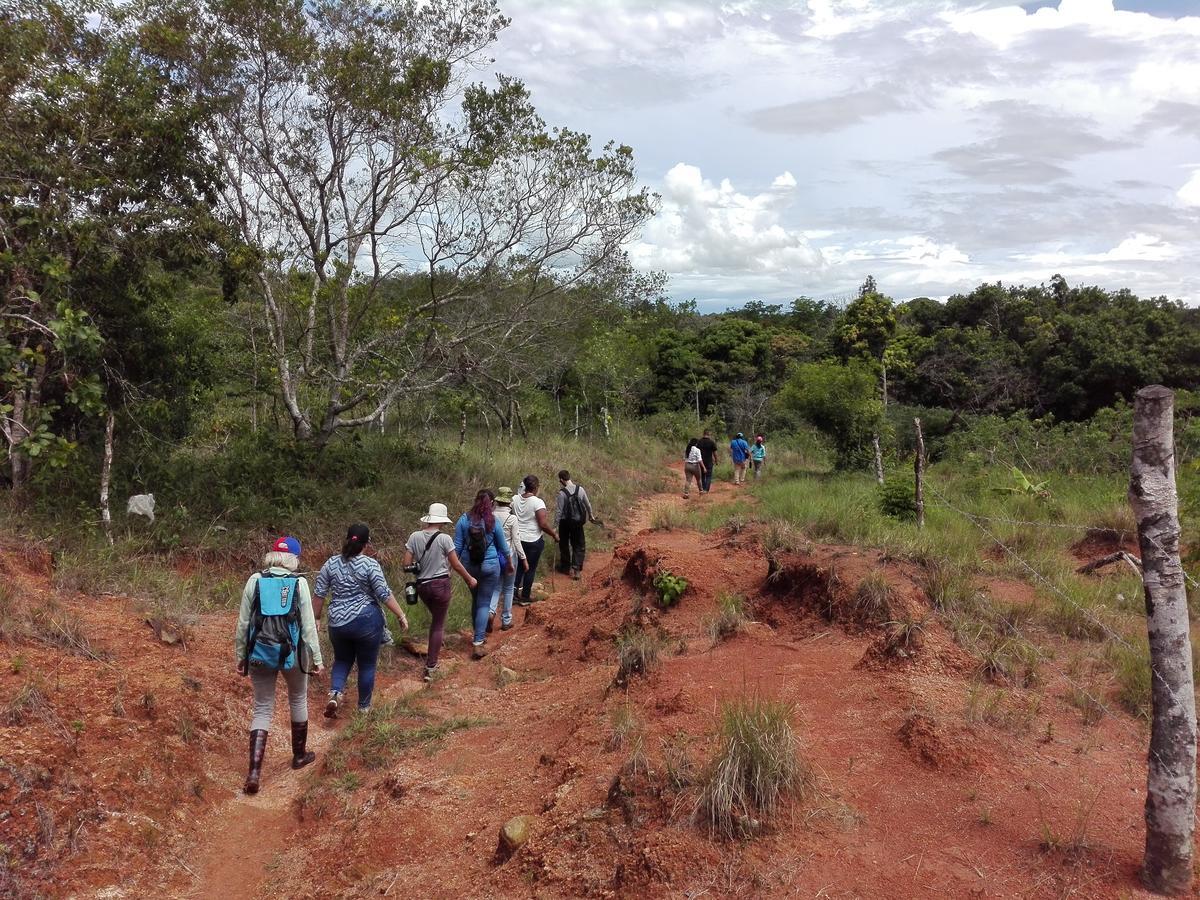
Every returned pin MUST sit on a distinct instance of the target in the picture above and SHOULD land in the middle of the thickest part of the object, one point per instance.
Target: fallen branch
(1120, 555)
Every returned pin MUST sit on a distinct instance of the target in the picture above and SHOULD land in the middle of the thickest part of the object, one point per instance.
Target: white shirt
(508, 521)
(694, 455)
(526, 509)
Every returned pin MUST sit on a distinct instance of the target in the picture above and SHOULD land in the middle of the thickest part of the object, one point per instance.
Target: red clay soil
(908, 797)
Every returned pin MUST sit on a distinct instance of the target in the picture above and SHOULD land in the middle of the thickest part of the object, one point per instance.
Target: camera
(411, 568)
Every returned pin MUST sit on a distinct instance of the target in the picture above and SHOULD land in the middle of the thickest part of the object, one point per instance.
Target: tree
(840, 400)
(345, 164)
(103, 197)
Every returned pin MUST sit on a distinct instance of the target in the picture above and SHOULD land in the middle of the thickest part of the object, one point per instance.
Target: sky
(799, 147)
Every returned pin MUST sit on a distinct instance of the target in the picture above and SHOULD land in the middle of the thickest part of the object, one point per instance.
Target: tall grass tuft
(756, 767)
(729, 620)
(873, 599)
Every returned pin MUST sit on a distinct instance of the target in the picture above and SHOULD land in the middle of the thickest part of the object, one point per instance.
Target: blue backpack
(273, 637)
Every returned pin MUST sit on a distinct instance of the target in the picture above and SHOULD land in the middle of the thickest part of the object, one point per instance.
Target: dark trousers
(706, 478)
(572, 545)
(357, 642)
(436, 597)
(533, 552)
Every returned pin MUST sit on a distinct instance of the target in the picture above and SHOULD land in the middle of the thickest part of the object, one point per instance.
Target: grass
(626, 726)
(373, 740)
(638, 652)
(47, 622)
(668, 517)
(29, 701)
(729, 620)
(873, 599)
(756, 767)
(1001, 708)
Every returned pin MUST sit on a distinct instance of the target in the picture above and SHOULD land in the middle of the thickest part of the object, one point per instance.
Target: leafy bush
(898, 497)
(670, 588)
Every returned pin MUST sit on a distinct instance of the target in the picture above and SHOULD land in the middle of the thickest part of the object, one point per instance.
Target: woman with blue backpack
(357, 592)
(480, 543)
(277, 633)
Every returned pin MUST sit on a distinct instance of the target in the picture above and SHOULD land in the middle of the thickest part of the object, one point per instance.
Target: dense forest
(236, 229)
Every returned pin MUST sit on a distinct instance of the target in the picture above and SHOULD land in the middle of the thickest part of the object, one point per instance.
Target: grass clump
(756, 767)
(626, 726)
(638, 651)
(28, 701)
(729, 620)
(873, 598)
(667, 517)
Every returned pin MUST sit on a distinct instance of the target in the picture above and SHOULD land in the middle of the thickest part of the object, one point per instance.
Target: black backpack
(477, 542)
(573, 507)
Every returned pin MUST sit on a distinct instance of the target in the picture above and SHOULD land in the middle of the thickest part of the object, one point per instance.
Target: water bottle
(410, 594)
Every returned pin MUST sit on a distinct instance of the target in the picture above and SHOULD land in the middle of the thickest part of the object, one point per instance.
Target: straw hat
(504, 495)
(437, 515)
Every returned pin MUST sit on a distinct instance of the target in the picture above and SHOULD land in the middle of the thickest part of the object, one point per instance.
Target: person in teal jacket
(758, 455)
(739, 452)
(480, 543)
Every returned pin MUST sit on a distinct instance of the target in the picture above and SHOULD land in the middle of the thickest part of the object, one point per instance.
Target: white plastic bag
(141, 505)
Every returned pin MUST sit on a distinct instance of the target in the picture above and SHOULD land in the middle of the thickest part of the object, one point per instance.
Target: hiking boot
(505, 626)
(522, 602)
(258, 748)
(331, 708)
(574, 574)
(479, 649)
(301, 755)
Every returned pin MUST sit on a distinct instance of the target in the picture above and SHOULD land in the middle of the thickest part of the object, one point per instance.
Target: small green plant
(756, 766)
(17, 665)
(678, 764)
(898, 498)
(729, 620)
(638, 651)
(1087, 703)
(670, 588)
(187, 728)
(1023, 487)
(904, 635)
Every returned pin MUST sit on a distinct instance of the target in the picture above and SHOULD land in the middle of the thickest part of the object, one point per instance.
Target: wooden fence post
(878, 458)
(919, 471)
(1171, 762)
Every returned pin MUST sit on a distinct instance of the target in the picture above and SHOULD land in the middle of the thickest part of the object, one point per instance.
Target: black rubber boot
(258, 748)
(301, 756)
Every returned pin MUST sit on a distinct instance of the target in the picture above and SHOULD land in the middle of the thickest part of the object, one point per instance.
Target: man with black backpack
(572, 511)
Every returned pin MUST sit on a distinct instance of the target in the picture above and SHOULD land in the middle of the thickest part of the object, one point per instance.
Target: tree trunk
(885, 390)
(878, 458)
(521, 421)
(1171, 770)
(697, 393)
(919, 471)
(604, 415)
(576, 421)
(106, 476)
(462, 430)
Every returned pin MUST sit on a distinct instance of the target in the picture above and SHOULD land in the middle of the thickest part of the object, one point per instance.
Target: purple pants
(436, 597)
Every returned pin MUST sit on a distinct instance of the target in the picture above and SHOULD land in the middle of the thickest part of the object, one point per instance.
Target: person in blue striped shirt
(357, 591)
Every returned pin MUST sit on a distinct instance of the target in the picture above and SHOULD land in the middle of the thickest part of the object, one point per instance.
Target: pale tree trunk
(919, 472)
(878, 458)
(462, 431)
(1171, 770)
(604, 415)
(885, 390)
(106, 476)
(576, 421)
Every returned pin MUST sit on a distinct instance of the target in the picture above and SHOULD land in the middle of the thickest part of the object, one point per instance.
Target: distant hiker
(758, 455)
(277, 632)
(503, 597)
(708, 453)
(479, 541)
(693, 467)
(572, 511)
(739, 452)
(532, 522)
(430, 555)
(357, 590)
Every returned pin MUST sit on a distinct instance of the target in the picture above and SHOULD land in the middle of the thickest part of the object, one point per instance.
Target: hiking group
(495, 549)
(701, 456)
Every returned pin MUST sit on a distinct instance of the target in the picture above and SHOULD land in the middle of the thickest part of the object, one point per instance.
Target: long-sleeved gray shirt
(561, 500)
(308, 624)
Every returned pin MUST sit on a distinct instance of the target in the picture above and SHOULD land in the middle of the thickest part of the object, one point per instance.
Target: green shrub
(898, 497)
(670, 588)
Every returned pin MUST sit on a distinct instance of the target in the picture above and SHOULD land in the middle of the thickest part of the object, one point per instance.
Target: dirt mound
(1098, 542)
(937, 745)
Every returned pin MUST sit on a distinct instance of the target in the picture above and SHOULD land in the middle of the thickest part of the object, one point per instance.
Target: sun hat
(437, 515)
(504, 495)
(739, 434)
(287, 545)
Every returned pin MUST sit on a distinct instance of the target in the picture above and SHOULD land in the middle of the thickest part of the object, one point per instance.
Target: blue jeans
(504, 588)
(533, 552)
(487, 574)
(357, 641)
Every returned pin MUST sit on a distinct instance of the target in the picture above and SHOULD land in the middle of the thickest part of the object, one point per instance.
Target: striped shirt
(351, 585)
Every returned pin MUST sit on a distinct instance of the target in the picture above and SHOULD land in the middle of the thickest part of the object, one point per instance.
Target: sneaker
(364, 710)
(478, 649)
(505, 626)
(522, 602)
(575, 576)
(331, 707)
(430, 674)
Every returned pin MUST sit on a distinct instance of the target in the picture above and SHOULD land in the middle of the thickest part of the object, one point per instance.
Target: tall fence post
(919, 471)
(1171, 762)
(878, 458)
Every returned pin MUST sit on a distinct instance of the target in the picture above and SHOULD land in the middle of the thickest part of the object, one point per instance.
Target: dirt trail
(926, 781)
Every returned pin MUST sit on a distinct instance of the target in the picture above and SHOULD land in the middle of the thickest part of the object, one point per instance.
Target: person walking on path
(357, 590)
(508, 580)
(277, 604)
(480, 541)
(532, 522)
(693, 467)
(430, 555)
(739, 452)
(708, 453)
(572, 511)
(758, 456)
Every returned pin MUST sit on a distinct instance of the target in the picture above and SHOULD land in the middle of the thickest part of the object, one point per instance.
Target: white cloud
(1133, 249)
(1189, 194)
(785, 181)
